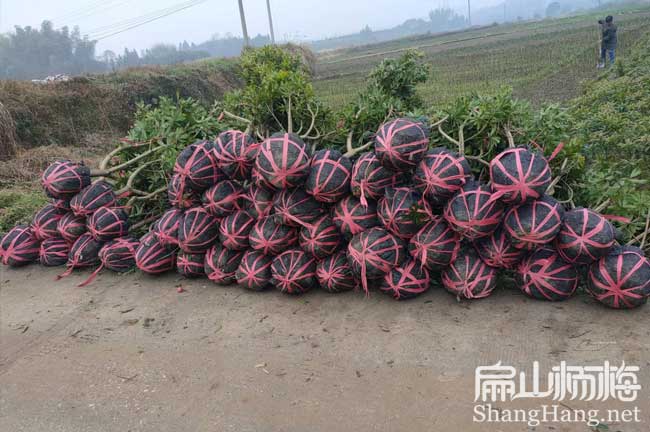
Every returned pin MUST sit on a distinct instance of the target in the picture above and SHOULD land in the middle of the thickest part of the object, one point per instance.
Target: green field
(543, 61)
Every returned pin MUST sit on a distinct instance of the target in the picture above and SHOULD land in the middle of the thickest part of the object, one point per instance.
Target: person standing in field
(609, 41)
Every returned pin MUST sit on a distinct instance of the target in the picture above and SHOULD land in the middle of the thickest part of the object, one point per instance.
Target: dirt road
(132, 354)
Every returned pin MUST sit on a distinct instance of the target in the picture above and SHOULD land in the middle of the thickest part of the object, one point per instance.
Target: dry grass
(8, 145)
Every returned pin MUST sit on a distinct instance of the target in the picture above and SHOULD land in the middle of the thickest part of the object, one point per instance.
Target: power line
(108, 33)
(71, 14)
(101, 8)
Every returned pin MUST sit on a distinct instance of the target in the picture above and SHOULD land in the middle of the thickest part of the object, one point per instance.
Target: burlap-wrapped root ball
(223, 199)
(497, 251)
(197, 166)
(406, 281)
(235, 230)
(436, 245)
(258, 201)
(84, 253)
(198, 231)
(293, 272)
(152, 257)
(221, 264)
(584, 237)
(117, 255)
(283, 161)
(334, 274)
(71, 227)
(235, 154)
(254, 271)
(400, 144)
(440, 175)
(190, 265)
(54, 252)
(621, 279)
(468, 277)
(65, 179)
(97, 195)
(321, 239)
(180, 194)
(295, 207)
(534, 224)
(519, 175)
(19, 246)
(474, 212)
(544, 275)
(166, 228)
(370, 179)
(45, 222)
(374, 253)
(272, 238)
(329, 176)
(108, 223)
(351, 217)
(403, 212)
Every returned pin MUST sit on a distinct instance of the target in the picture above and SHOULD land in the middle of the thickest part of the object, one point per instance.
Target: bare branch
(235, 117)
(109, 171)
(313, 120)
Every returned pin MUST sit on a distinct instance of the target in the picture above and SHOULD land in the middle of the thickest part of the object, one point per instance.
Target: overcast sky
(293, 19)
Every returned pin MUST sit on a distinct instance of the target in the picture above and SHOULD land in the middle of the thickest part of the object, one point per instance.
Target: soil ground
(130, 353)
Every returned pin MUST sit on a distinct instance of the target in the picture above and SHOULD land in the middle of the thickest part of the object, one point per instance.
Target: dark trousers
(604, 52)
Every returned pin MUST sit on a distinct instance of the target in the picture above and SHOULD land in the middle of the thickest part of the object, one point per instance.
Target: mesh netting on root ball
(62, 205)
(235, 152)
(180, 194)
(544, 275)
(108, 223)
(223, 199)
(403, 212)
(54, 252)
(258, 201)
(373, 253)
(585, 236)
(272, 238)
(166, 228)
(329, 176)
(197, 166)
(283, 161)
(351, 217)
(97, 195)
(295, 207)
(321, 239)
(497, 251)
(474, 212)
(71, 227)
(534, 224)
(221, 264)
(254, 271)
(519, 175)
(190, 265)
(436, 245)
(469, 277)
(117, 255)
(401, 143)
(406, 281)
(19, 246)
(198, 231)
(334, 274)
(293, 272)
(259, 180)
(440, 175)
(621, 279)
(370, 179)
(152, 257)
(84, 253)
(235, 229)
(45, 222)
(64, 178)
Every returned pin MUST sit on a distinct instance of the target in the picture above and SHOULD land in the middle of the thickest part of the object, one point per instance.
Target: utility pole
(243, 23)
(268, 9)
(469, 12)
